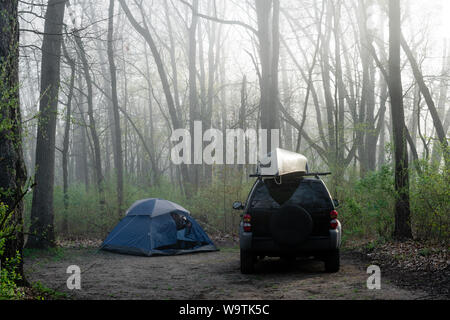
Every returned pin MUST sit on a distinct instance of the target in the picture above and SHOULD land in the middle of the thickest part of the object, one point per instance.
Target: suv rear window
(309, 193)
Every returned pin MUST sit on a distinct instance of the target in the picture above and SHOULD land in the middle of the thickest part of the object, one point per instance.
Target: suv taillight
(247, 223)
(333, 214)
(333, 224)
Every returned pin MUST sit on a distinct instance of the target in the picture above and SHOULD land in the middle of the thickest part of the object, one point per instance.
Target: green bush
(8, 274)
(9, 278)
(430, 205)
(367, 209)
(367, 205)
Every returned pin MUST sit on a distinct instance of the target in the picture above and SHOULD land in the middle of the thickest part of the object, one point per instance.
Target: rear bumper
(266, 245)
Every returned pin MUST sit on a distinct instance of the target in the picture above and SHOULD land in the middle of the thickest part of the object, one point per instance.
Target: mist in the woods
(360, 87)
(314, 72)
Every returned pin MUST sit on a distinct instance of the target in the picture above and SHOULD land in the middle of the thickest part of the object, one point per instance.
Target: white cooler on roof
(281, 162)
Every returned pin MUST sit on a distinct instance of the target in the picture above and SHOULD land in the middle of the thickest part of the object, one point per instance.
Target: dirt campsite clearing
(212, 275)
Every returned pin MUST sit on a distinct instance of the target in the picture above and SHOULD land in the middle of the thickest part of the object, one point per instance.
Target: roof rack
(308, 174)
(280, 163)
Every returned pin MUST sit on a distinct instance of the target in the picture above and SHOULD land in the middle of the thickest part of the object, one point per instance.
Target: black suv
(289, 218)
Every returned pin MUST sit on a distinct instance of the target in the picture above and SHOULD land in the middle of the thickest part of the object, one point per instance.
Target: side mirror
(238, 205)
(336, 203)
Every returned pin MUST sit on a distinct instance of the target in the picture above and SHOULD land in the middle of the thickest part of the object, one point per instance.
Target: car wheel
(332, 261)
(247, 262)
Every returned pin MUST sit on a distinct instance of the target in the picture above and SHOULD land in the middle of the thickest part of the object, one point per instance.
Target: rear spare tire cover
(290, 225)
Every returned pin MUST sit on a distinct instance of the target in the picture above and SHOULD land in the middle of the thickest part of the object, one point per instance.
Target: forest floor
(212, 275)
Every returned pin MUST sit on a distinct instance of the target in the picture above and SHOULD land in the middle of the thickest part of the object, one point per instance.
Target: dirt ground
(213, 275)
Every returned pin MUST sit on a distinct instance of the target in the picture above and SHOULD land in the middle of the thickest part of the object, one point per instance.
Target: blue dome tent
(157, 227)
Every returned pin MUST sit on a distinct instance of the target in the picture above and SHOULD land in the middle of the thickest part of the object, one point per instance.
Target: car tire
(332, 261)
(247, 262)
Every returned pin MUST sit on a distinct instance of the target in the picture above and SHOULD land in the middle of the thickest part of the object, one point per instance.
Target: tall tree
(118, 162)
(212, 65)
(340, 97)
(101, 48)
(42, 229)
(194, 110)
(12, 167)
(65, 151)
(286, 100)
(80, 139)
(268, 12)
(364, 134)
(402, 208)
(326, 81)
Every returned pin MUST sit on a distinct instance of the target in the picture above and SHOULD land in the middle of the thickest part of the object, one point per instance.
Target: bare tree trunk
(12, 167)
(151, 131)
(327, 82)
(194, 111)
(365, 105)
(173, 59)
(402, 209)
(126, 131)
(268, 15)
(414, 116)
(66, 141)
(42, 228)
(106, 74)
(211, 76)
(223, 97)
(381, 128)
(81, 148)
(286, 100)
(340, 103)
(371, 137)
(92, 122)
(383, 96)
(118, 161)
(242, 118)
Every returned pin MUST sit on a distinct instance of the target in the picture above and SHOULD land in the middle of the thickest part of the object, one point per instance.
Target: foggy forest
(93, 91)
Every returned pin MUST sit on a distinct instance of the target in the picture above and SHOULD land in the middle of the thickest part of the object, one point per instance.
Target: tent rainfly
(157, 227)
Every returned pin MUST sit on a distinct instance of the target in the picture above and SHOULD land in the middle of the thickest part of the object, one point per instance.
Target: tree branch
(232, 22)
